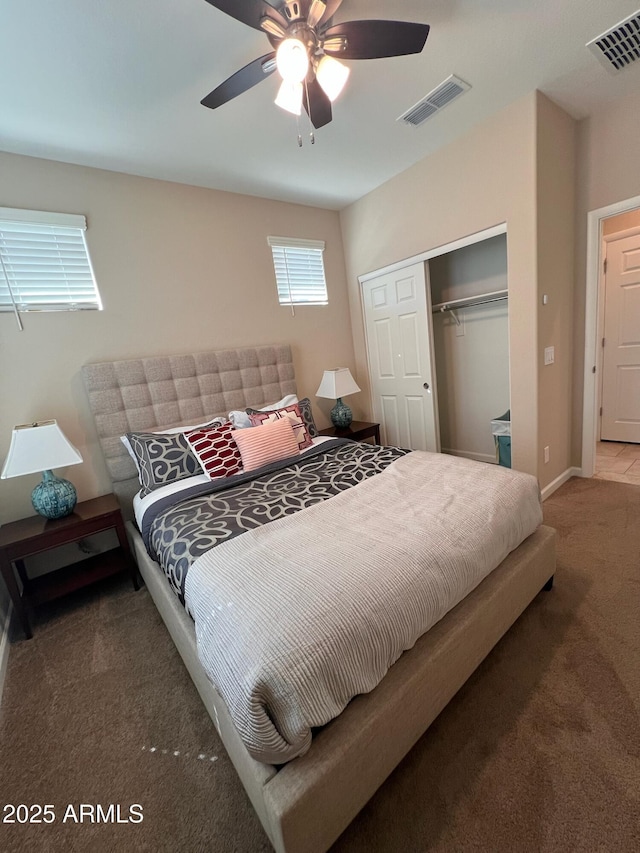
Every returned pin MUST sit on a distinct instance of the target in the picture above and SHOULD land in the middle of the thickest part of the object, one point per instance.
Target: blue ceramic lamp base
(53, 497)
(340, 415)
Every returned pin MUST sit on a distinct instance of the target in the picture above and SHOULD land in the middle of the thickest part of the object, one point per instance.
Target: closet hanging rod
(470, 301)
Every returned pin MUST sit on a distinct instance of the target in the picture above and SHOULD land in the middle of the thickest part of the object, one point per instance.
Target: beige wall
(180, 269)
(608, 155)
(555, 146)
(608, 171)
(485, 178)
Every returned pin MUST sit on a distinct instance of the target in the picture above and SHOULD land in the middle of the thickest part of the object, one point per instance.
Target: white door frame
(469, 240)
(592, 326)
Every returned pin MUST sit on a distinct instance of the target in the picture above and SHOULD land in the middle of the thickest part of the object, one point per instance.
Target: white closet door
(397, 313)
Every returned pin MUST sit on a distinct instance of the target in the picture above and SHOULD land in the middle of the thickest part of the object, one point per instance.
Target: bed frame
(305, 804)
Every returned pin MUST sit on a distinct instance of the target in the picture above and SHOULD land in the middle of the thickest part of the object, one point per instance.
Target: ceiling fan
(305, 46)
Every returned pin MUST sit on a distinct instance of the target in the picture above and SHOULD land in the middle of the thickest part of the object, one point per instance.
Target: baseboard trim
(4, 647)
(560, 481)
(465, 454)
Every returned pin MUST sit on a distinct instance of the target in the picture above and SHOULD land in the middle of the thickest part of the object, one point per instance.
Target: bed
(306, 796)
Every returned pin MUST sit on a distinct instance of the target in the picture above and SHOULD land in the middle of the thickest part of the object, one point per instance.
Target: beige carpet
(539, 751)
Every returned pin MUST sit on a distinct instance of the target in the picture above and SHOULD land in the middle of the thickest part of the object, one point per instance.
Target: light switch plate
(549, 355)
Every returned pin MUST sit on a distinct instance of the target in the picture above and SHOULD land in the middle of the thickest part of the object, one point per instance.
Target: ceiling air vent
(619, 46)
(432, 103)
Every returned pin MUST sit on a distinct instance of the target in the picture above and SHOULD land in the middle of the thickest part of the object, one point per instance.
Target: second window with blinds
(299, 269)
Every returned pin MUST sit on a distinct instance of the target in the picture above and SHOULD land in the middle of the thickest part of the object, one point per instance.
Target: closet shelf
(470, 301)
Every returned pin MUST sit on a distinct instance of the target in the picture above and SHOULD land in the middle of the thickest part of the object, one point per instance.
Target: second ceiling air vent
(432, 103)
(619, 46)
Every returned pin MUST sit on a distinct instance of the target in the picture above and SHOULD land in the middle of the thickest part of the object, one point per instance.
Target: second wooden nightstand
(35, 534)
(358, 431)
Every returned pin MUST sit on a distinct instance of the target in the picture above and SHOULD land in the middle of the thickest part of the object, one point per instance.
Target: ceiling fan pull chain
(298, 129)
(311, 135)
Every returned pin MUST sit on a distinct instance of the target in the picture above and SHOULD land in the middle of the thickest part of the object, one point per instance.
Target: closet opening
(469, 305)
(437, 337)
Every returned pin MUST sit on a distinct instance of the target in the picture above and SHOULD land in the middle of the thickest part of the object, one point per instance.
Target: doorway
(601, 224)
(620, 387)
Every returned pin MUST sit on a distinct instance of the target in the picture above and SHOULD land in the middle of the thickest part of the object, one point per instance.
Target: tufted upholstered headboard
(165, 391)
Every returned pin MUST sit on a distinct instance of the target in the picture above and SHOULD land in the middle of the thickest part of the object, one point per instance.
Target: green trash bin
(501, 429)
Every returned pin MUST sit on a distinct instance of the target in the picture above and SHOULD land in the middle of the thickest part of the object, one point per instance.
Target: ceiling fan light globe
(332, 76)
(292, 60)
(289, 97)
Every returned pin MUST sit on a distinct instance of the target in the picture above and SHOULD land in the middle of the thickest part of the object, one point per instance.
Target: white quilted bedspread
(296, 618)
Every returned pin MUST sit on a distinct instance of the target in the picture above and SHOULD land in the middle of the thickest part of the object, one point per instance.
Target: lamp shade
(289, 97)
(337, 383)
(331, 75)
(38, 447)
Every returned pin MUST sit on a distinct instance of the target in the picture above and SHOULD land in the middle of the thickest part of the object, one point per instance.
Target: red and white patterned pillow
(216, 450)
(270, 442)
(293, 414)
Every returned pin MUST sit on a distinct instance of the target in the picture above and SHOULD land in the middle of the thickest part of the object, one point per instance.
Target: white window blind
(44, 262)
(299, 269)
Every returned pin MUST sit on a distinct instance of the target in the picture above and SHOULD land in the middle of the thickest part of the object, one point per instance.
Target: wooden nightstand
(33, 535)
(358, 431)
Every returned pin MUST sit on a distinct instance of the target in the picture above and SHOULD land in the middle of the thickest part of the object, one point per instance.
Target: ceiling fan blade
(317, 104)
(250, 12)
(242, 80)
(332, 8)
(377, 39)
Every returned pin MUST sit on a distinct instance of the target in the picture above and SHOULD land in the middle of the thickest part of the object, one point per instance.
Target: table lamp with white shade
(335, 385)
(39, 447)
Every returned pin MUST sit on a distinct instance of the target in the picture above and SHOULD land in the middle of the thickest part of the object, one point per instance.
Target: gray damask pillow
(162, 459)
(305, 410)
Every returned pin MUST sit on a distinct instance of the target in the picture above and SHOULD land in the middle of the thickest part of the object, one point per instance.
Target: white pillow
(240, 419)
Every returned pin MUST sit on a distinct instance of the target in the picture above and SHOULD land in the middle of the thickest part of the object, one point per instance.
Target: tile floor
(619, 462)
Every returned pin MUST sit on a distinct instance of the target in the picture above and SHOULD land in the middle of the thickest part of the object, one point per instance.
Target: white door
(397, 313)
(621, 357)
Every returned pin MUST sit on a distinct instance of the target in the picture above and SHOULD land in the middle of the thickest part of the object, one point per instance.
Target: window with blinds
(299, 269)
(44, 262)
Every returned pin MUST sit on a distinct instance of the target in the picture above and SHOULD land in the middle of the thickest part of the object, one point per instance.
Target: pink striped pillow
(267, 443)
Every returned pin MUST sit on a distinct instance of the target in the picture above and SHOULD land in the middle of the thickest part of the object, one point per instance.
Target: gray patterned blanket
(295, 618)
(181, 527)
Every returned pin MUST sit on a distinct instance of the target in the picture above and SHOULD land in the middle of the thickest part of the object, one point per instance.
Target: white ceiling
(117, 85)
